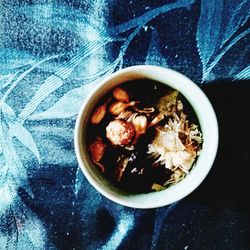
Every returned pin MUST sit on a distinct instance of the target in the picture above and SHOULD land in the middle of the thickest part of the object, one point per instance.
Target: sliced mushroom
(118, 107)
(120, 95)
(124, 115)
(140, 123)
(99, 114)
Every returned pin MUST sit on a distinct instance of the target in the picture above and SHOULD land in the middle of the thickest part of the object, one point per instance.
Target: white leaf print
(15, 172)
(208, 30)
(8, 113)
(55, 81)
(23, 75)
(6, 197)
(154, 55)
(24, 136)
(7, 79)
(126, 222)
(148, 16)
(236, 15)
(67, 106)
(50, 85)
(218, 28)
(244, 74)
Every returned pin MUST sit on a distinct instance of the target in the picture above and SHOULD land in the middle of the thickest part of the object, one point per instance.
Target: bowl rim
(187, 88)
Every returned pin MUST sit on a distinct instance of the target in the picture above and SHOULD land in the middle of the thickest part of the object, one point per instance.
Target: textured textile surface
(52, 53)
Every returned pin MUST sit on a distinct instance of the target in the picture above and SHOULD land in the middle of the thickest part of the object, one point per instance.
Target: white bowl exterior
(206, 117)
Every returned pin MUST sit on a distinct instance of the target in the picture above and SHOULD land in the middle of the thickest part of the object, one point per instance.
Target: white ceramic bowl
(205, 115)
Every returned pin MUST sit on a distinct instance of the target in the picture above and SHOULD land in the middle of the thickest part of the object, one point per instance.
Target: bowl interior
(204, 113)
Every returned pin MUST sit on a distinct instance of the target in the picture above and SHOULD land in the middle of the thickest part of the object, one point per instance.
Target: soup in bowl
(146, 137)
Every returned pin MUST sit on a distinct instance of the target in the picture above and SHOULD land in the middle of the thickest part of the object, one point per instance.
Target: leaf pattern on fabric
(13, 174)
(7, 113)
(56, 80)
(149, 15)
(237, 14)
(244, 74)
(7, 79)
(19, 60)
(154, 55)
(71, 49)
(16, 130)
(207, 34)
(218, 23)
(67, 106)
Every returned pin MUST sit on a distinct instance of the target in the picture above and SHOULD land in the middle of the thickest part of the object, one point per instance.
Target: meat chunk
(120, 132)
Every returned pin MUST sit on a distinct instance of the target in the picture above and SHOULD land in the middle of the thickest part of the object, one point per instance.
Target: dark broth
(140, 172)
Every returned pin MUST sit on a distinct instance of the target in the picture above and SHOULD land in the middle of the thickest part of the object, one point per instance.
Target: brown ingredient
(120, 132)
(118, 107)
(140, 123)
(121, 95)
(97, 149)
(98, 114)
(156, 120)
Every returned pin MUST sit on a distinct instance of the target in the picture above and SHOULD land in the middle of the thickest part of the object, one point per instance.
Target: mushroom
(98, 114)
(140, 123)
(120, 95)
(118, 107)
(124, 115)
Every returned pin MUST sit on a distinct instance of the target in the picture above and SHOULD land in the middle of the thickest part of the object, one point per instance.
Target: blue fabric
(52, 53)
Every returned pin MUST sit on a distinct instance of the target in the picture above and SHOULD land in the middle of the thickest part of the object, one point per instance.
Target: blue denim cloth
(52, 53)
